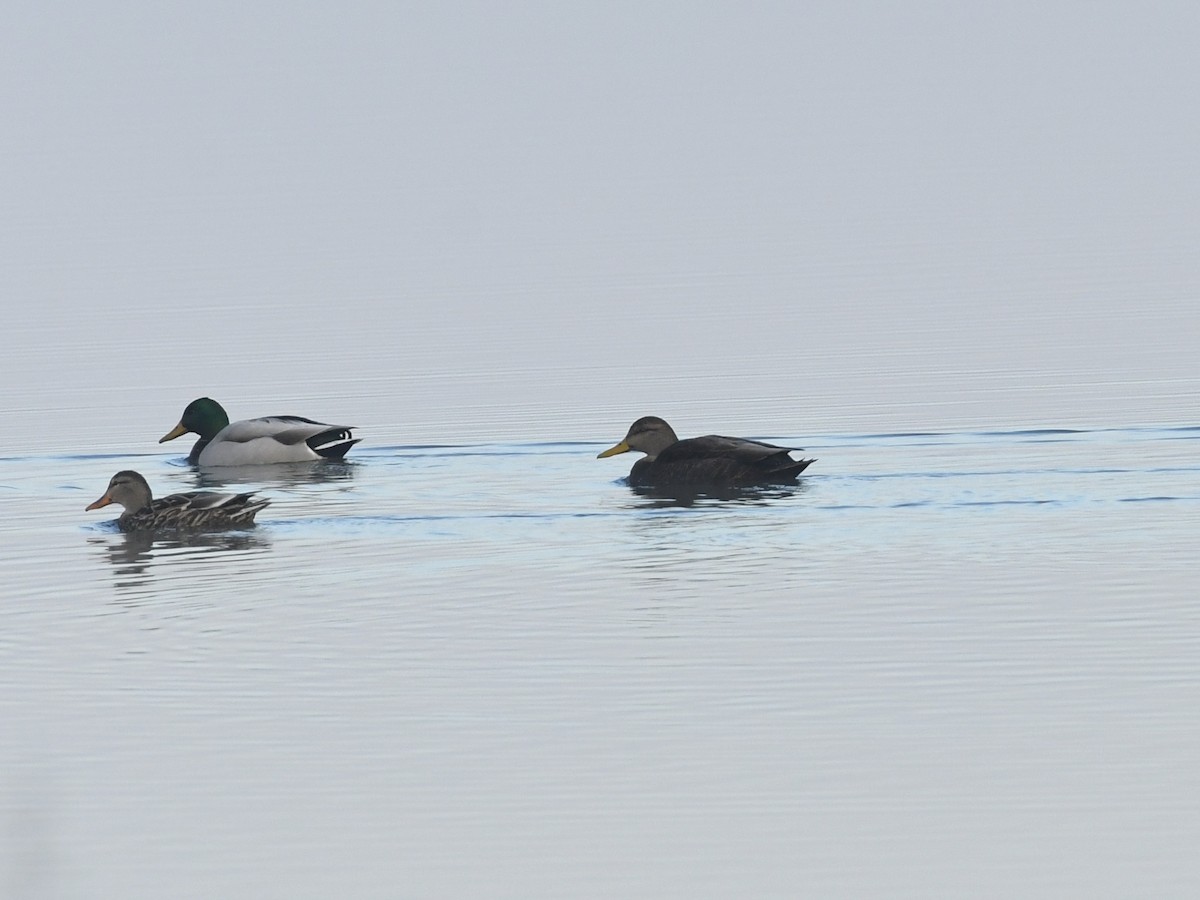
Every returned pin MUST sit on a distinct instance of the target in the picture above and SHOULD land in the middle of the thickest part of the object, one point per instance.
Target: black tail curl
(332, 444)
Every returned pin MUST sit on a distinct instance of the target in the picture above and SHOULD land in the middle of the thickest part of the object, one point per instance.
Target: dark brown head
(649, 434)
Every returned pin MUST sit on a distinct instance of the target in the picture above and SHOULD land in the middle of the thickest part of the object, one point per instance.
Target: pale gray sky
(542, 217)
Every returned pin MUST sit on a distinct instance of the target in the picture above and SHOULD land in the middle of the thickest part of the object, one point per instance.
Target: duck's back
(717, 459)
(194, 510)
(275, 439)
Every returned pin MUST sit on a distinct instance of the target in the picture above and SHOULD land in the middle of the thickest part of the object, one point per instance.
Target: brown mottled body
(191, 511)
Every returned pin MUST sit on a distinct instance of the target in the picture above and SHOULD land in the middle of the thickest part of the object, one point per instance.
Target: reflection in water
(724, 538)
(282, 474)
(714, 497)
(134, 556)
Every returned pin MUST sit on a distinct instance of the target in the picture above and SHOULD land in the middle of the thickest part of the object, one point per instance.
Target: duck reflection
(135, 555)
(714, 496)
(325, 471)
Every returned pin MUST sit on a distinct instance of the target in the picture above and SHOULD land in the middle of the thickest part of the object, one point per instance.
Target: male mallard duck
(708, 460)
(271, 439)
(193, 510)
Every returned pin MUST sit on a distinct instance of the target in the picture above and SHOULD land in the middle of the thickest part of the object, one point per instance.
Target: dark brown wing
(717, 446)
(717, 459)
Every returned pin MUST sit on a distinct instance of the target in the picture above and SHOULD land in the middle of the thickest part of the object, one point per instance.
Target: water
(952, 254)
(494, 669)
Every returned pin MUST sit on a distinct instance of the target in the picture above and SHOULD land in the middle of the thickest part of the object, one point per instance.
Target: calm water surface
(944, 663)
(950, 252)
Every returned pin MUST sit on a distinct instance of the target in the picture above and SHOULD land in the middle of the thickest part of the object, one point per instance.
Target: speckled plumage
(710, 460)
(191, 511)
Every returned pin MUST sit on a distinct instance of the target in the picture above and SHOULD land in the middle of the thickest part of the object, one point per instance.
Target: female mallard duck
(193, 510)
(271, 439)
(711, 460)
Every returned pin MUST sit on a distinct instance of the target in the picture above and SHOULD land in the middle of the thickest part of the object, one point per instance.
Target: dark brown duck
(710, 460)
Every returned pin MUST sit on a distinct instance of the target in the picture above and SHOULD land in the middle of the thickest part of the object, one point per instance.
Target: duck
(194, 510)
(711, 460)
(270, 439)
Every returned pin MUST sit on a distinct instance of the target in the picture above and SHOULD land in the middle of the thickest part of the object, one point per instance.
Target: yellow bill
(175, 432)
(613, 451)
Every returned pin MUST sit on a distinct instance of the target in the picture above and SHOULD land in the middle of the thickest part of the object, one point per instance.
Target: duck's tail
(789, 472)
(332, 444)
(247, 507)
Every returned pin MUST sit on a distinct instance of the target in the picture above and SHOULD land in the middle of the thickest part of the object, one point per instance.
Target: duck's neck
(197, 448)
